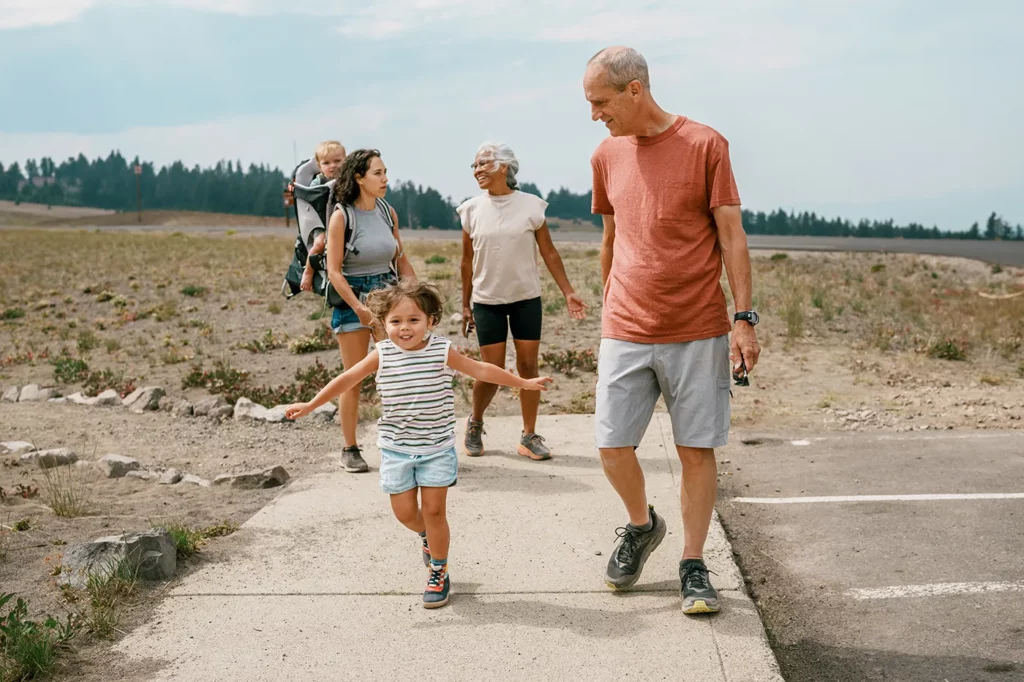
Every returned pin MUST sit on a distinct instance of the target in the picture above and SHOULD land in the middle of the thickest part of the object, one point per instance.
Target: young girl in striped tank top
(416, 430)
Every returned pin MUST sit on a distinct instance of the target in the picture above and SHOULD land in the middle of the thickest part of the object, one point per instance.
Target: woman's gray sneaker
(353, 460)
(531, 445)
(627, 561)
(696, 590)
(474, 441)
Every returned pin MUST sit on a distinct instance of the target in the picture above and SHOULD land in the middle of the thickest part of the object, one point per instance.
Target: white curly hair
(503, 156)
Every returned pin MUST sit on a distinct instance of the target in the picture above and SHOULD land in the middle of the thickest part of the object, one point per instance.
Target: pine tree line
(227, 187)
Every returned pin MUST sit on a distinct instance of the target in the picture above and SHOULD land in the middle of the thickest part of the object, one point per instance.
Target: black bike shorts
(493, 321)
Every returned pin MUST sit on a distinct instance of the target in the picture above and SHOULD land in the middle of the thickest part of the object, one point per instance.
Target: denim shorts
(400, 472)
(344, 319)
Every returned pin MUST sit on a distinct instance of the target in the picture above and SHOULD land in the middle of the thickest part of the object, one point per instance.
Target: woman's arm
(493, 374)
(577, 308)
(467, 283)
(343, 382)
(405, 270)
(335, 257)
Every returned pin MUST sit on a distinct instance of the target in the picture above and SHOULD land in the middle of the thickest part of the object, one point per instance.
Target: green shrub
(193, 291)
(948, 349)
(28, 649)
(436, 259)
(780, 256)
(13, 313)
(69, 370)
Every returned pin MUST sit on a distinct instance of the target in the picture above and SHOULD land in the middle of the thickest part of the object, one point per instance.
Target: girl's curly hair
(426, 296)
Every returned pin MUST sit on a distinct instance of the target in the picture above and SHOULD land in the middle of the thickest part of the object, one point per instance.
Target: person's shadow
(609, 619)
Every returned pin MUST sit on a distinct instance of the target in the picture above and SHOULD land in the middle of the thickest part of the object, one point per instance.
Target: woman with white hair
(503, 230)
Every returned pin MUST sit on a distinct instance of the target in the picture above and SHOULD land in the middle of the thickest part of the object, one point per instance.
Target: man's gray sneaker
(353, 460)
(531, 445)
(696, 590)
(627, 561)
(474, 441)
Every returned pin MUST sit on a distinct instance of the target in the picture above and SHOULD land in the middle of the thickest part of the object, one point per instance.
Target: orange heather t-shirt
(664, 281)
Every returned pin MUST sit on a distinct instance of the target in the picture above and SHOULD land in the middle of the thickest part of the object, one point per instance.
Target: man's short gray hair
(503, 156)
(623, 66)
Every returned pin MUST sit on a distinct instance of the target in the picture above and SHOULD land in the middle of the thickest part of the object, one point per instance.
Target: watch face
(754, 319)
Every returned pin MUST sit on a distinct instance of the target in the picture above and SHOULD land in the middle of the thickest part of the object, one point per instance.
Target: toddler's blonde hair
(327, 147)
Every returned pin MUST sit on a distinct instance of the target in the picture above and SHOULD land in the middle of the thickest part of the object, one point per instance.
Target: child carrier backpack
(313, 206)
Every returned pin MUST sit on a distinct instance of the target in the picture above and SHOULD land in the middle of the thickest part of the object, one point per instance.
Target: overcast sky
(908, 109)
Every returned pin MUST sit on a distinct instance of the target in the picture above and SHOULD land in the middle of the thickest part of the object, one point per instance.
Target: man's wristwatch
(747, 316)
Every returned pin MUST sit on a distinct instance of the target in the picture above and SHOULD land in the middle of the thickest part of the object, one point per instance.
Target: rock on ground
(47, 459)
(221, 413)
(11, 394)
(326, 412)
(170, 477)
(247, 409)
(206, 405)
(153, 552)
(192, 478)
(265, 478)
(33, 392)
(182, 408)
(16, 447)
(108, 398)
(116, 466)
(143, 399)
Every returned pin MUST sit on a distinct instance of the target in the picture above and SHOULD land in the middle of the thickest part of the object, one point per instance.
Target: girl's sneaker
(439, 585)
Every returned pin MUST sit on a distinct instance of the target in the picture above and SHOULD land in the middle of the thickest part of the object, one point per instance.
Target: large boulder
(33, 393)
(153, 553)
(11, 395)
(116, 466)
(48, 459)
(144, 399)
(16, 447)
(265, 478)
(275, 415)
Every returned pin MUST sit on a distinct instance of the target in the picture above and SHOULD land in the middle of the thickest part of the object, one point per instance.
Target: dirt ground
(851, 341)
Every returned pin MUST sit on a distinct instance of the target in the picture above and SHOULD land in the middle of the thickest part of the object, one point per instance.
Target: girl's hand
(365, 317)
(297, 410)
(577, 308)
(539, 384)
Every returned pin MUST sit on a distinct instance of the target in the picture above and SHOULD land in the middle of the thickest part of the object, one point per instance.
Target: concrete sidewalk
(325, 585)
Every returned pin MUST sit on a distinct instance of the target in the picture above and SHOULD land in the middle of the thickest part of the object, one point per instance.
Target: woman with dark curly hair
(371, 258)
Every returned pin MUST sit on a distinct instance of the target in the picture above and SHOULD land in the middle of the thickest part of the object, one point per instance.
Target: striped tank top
(417, 400)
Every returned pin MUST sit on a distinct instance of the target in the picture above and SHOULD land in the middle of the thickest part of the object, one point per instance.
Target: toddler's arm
(338, 385)
(493, 374)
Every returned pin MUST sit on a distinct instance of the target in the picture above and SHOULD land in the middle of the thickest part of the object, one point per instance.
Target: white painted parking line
(879, 498)
(935, 590)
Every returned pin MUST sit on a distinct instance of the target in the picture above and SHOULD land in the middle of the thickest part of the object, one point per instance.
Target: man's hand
(307, 280)
(467, 321)
(744, 347)
(577, 307)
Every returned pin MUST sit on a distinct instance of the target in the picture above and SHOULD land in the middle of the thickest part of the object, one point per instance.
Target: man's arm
(607, 246)
(733, 242)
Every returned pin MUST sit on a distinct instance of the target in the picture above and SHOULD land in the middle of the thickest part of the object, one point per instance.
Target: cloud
(24, 13)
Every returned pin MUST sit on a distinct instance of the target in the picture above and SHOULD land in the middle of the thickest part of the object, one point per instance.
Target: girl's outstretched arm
(338, 385)
(493, 374)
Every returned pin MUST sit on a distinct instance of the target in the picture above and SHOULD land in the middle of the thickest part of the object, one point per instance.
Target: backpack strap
(386, 209)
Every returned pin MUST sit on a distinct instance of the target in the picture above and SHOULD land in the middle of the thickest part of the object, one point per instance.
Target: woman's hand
(468, 323)
(365, 316)
(577, 308)
(296, 411)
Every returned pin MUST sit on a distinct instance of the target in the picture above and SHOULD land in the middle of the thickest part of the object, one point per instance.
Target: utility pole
(138, 190)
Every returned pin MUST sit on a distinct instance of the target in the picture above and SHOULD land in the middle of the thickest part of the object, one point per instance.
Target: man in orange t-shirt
(664, 187)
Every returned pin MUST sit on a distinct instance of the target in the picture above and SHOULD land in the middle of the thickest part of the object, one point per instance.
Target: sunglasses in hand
(739, 375)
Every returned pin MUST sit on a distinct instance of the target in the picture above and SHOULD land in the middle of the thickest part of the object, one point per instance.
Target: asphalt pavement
(883, 556)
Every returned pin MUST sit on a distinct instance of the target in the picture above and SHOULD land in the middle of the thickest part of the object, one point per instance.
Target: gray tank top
(375, 242)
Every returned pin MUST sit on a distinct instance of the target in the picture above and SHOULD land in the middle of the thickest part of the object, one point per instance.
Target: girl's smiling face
(407, 326)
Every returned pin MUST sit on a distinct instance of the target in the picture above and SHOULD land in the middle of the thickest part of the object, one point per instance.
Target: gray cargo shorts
(692, 376)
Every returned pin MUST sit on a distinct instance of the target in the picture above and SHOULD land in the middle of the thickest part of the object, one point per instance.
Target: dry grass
(154, 305)
(66, 490)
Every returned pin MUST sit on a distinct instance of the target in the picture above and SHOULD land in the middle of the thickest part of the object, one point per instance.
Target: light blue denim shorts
(400, 472)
